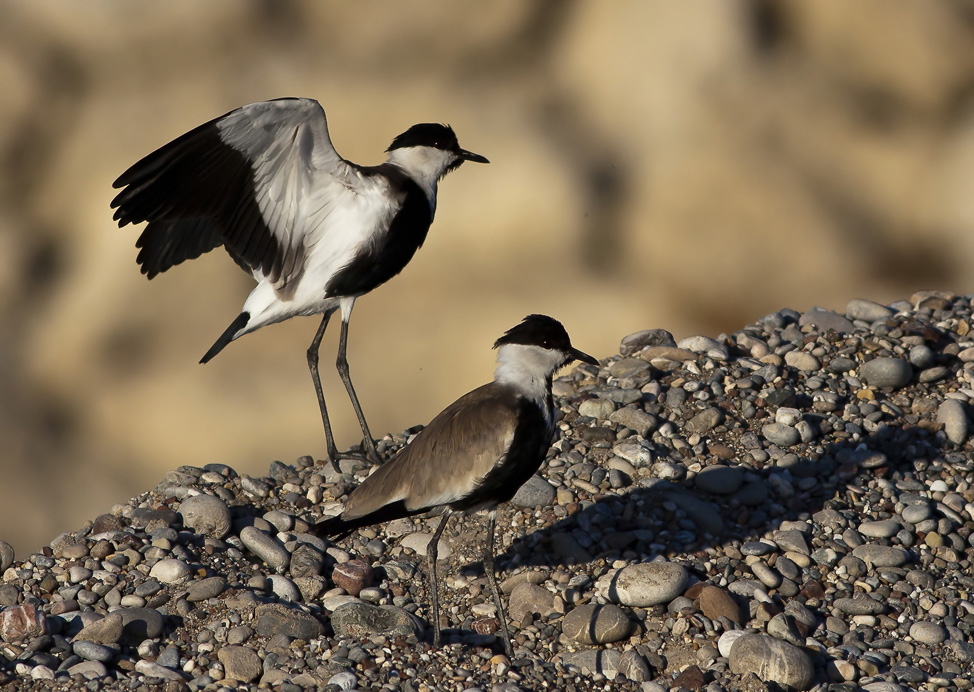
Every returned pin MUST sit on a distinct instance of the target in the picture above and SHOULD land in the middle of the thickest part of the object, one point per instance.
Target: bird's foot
(354, 453)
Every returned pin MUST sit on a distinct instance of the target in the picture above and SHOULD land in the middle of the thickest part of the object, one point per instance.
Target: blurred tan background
(689, 165)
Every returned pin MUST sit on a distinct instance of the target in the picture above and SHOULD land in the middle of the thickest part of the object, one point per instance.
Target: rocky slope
(788, 505)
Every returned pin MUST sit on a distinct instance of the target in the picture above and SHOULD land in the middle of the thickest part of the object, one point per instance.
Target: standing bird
(314, 230)
(475, 454)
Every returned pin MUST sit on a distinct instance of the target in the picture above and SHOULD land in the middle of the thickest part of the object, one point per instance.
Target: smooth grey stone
(204, 589)
(825, 320)
(706, 420)
(171, 571)
(345, 680)
(92, 670)
(637, 341)
(596, 408)
(536, 492)
(860, 604)
(886, 373)
(169, 657)
(7, 556)
(139, 624)
(882, 555)
(240, 663)
(952, 416)
(93, 652)
(419, 540)
(568, 548)
(757, 548)
(880, 529)
(206, 514)
(359, 620)
(703, 514)
(284, 588)
(772, 660)
(781, 627)
(591, 661)
(597, 624)
(781, 435)
(644, 584)
(630, 367)
(634, 666)
(921, 356)
(636, 419)
(867, 311)
(277, 618)
(107, 630)
(239, 634)
(916, 513)
(802, 360)
(282, 521)
(703, 344)
(267, 548)
(719, 480)
(154, 670)
(767, 575)
(928, 632)
(527, 597)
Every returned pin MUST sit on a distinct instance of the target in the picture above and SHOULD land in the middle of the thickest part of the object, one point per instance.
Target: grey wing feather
(447, 460)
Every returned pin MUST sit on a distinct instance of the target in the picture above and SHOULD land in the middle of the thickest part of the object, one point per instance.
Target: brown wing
(447, 460)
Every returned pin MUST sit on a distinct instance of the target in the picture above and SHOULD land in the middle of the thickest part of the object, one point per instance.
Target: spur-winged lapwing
(314, 230)
(475, 454)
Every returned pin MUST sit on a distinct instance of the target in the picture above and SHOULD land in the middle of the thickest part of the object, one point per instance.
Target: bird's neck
(527, 370)
(424, 165)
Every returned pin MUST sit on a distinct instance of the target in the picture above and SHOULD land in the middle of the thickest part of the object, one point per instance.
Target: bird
(314, 230)
(474, 454)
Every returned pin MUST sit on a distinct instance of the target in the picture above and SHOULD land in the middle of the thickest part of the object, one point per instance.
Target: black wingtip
(242, 319)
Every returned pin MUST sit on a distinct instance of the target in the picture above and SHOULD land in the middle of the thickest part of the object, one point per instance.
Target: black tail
(338, 528)
(227, 336)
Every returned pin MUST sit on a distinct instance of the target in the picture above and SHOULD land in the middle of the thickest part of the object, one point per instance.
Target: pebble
(21, 622)
(952, 416)
(644, 584)
(267, 548)
(359, 620)
(419, 540)
(891, 373)
(597, 624)
(781, 435)
(536, 492)
(851, 545)
(171, 571)
(772, 660)
(720, 480)
(240, 663)
(277, 618)
(206, 515)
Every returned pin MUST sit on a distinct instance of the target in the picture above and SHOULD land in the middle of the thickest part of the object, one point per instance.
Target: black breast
(532, 438)
(380, 261)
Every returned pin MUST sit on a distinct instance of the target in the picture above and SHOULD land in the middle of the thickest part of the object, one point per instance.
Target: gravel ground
(791, 505)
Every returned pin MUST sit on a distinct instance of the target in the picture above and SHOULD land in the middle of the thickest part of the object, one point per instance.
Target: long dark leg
(492, 580)
(431, 568)
(313, 366)
(342, 365)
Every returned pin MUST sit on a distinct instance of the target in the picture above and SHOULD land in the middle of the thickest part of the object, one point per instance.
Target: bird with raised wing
(314, 230)
(473, 455)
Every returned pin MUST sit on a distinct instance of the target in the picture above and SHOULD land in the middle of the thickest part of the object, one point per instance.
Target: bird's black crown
(538, 330)
(427, 135)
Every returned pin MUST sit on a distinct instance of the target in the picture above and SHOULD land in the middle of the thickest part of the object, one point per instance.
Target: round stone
(928, 632)
(720, 480)
(917, 513)
(596, 408)
(267, 548)
(6, 556)
(715, 603)
(867, 311)
(204, 589)
(802, 360)
(880, 529)
(781, 435)
(284, 588)
(277, 618)
(891, 373)
(536, 492)
(772, 660)
(206, 515)
(353, 576)
(90, 651)
(726, 641)
(644, 584)
(419, 540)
(360, 620)
(597, 624)
(139, 624)
(529, 598)
(882, 555)
(240, 663)
(171, 571)
(952, 416)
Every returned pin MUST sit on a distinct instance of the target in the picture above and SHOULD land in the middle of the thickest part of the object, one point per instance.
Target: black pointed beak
(470, 156)
(584, 357)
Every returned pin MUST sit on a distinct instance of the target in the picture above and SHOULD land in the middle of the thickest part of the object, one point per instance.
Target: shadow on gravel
(680, 519)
